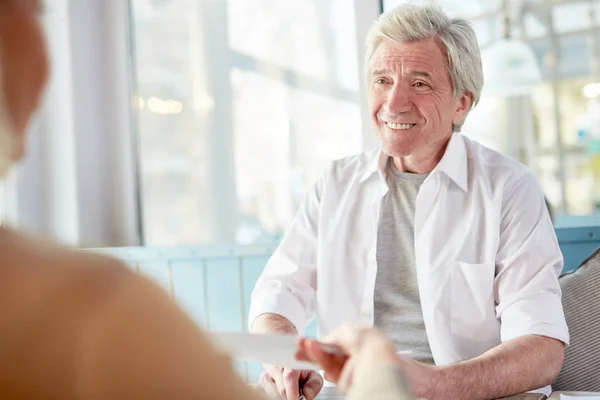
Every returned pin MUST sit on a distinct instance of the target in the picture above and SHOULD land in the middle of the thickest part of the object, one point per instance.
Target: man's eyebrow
(422, 74)
(385, 71)
(380, 71)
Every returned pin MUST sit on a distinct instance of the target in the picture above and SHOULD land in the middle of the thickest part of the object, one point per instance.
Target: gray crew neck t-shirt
(398, 310)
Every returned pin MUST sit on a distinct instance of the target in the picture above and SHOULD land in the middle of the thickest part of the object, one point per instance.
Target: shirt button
(366, 314)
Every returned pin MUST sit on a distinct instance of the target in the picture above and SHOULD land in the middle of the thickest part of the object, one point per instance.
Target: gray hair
(411, 23)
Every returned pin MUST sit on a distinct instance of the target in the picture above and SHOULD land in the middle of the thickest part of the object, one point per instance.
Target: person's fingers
(346, 376)
(331, 364)
(276, 375)
(348, 338)
(267, 385)
(291, 384)
(301, 354)
(272, 371)
(312, 385)
(278, 379)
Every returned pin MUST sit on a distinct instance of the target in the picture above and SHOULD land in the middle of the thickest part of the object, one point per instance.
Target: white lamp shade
(510, 68)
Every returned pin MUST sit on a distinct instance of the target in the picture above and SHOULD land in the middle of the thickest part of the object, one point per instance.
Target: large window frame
(222, 199)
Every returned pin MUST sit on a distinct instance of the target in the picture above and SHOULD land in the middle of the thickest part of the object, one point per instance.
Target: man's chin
(399, 149)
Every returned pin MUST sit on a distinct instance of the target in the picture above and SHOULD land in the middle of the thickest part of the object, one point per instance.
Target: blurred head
(424, 75)
(23, 74)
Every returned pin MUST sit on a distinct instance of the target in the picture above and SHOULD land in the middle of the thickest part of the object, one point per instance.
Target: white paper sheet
(275, 349)
(582, 396)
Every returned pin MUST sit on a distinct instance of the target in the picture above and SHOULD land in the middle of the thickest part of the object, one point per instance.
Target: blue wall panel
(252, 267)
(189, 288)
(224, 294)
(576, 243)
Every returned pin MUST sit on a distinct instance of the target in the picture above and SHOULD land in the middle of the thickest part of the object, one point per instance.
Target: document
(275, 349)
(582, 396)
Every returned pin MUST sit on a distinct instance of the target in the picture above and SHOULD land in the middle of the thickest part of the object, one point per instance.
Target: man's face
(23, 65)
(411, 98)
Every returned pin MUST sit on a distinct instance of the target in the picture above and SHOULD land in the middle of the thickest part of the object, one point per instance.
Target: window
(241, 106)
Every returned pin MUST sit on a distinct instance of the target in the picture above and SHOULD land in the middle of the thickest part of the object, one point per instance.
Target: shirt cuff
(279, 301)
(543, 316)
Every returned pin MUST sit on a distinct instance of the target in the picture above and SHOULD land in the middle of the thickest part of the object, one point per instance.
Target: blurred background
(193, 122)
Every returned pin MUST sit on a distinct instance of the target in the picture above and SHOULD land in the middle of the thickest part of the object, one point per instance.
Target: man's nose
(398, 100)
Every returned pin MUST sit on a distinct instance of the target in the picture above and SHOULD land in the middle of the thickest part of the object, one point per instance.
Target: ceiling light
(510, 68)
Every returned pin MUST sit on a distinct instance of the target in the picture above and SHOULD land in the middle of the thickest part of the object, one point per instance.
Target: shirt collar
(453, 163)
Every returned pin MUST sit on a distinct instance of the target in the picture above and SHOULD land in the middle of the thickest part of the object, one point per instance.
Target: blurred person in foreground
(75, 325)
(79, 326)
(444, 245)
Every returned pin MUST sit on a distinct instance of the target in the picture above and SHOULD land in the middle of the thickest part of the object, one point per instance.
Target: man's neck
(421, 162)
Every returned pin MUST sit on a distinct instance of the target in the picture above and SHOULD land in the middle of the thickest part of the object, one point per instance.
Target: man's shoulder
(493, 164)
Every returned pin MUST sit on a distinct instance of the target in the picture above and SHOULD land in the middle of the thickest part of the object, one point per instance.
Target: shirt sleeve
(288, 284)
(528, 264)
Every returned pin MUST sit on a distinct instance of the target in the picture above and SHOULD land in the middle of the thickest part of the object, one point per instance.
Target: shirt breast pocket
(472, 304)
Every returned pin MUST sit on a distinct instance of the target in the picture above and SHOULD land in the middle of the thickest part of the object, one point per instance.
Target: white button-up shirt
(486, 254)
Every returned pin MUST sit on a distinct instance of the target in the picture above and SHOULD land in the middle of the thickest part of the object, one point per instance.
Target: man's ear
(463, 106)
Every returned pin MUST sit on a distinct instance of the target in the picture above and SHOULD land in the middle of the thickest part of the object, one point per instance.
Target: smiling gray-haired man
(445, 245)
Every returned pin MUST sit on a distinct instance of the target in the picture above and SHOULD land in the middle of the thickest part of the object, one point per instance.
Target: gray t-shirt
(398, 310)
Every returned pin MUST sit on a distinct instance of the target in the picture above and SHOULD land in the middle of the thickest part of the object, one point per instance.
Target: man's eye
(420, 84)
(379, 81)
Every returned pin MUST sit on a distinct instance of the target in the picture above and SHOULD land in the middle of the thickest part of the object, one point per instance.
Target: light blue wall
(576, 243)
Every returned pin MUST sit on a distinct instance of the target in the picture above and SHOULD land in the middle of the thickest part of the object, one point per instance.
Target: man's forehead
(416, 58)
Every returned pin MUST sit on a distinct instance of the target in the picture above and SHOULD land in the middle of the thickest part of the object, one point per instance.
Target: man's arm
(287, 285)
(513, 367)
(283, 382)
(528, 297)
(272, 323)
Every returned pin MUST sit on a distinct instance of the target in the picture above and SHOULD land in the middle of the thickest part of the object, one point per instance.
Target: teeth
(394, 125)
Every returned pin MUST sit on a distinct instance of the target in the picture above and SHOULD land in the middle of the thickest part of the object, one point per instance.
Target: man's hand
(280, 383)
(283, 383)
